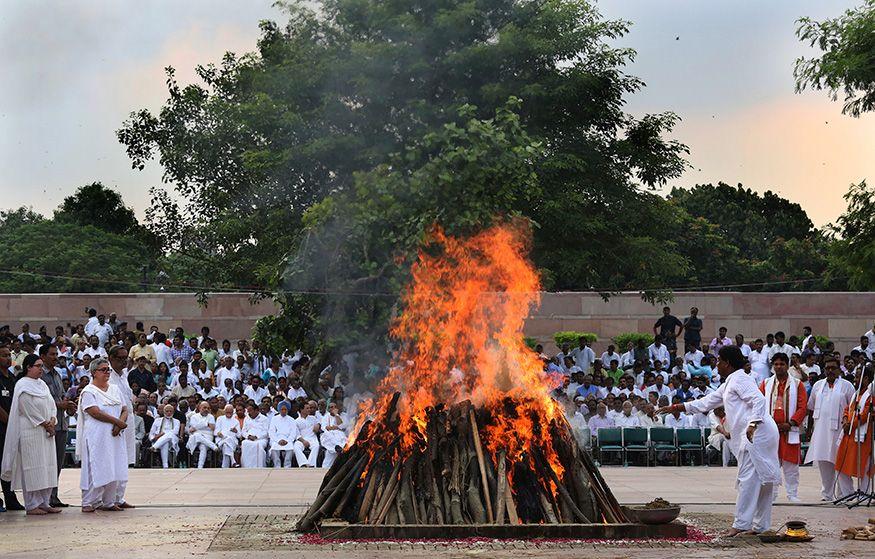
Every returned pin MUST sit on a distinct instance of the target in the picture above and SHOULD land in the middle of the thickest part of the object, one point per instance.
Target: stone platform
(252, 513)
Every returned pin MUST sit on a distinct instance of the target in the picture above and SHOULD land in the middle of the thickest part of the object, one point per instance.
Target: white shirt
(759, 364)
(680, 422)
(867, 351)
(659, 352)
(254, 394)
(624, 420)
(745, 349)
(583, 357)
(94, 352)
(663, 391)
(213, 393)
(295, 393)
(694, 357)
(608, 357)
(103, 333)
(828, 405)
(786, 348)
(871, 335)
(627, 359)
(223, 373)
(162, 354)
(305, 427)
(91, 325)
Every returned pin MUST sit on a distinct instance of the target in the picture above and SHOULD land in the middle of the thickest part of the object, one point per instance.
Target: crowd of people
(106, 397)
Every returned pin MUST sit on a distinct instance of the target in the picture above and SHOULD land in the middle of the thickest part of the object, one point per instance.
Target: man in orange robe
(787, 402)
(857, 437)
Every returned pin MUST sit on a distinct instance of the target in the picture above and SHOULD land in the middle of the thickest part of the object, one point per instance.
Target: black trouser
(60, 453)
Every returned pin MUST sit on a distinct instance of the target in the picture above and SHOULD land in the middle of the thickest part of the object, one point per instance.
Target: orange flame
(461, 337)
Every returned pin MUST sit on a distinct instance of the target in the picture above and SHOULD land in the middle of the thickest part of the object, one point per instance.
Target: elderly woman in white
(101, 446)
(29, 459)
(282, 434)
(333, 434)
(165, 435)
(201, 426)
(228, 436)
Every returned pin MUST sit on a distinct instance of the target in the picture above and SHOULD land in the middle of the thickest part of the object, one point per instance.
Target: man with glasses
(118, 377)
(49, 355)
(828, 399)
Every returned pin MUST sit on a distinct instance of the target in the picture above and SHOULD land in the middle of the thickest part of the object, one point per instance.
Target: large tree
(344, 89)
(847, 61)
(853, 254)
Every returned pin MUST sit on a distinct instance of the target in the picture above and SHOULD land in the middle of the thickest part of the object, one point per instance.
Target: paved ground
(250, 513)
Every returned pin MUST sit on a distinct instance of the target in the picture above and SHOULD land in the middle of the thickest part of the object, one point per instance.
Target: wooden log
(454, 487)
(352, 487)
(388, 493)
(406, 511)
(478, 448)
(371, 482)
(308, 522)
(500, 499)
(341, 477)
(473, 500)
(512, 516)
(545, 468)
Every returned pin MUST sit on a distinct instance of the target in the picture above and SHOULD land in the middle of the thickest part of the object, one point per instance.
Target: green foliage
(733, 235)
(621, 341)
(845, 65)
(278, 333)
(94, 204)
(530, 342)
(853, 252)
(572, 338)
(45, 256)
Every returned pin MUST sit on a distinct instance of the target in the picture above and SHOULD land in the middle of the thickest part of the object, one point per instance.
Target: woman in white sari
(228, 436)
(29, 459)
(200, 428)
(100, 444)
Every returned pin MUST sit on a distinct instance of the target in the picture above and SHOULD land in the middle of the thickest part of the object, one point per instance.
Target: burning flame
(460, 336)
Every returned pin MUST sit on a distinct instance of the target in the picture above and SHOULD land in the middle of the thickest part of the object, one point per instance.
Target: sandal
(36, 512)
(88, 509)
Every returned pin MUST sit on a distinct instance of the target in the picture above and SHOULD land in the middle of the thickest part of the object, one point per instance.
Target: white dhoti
(791, 479)
(102, 496)
(227, 445)
(303, 459)
(330, 441)
(253, 454)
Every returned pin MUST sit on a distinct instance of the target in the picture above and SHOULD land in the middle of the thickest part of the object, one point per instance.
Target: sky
(71, 73)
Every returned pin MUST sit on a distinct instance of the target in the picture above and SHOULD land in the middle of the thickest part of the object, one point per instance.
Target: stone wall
(842, 317)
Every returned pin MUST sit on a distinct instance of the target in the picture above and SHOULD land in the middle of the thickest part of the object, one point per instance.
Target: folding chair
(635, 440)
(70, 448)
(690, 440)
(662, 440)
(610, 440)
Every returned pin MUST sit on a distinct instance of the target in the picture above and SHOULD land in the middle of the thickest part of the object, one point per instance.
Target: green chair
(635, 440)
(662, 440)
(610, 440)
(690, 440)
(706, 432)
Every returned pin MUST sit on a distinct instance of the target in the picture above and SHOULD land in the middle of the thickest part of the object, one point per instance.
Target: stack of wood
(449, 477)
(861, 533)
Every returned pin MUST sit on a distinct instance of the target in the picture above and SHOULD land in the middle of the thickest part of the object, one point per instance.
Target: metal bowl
(652, 516)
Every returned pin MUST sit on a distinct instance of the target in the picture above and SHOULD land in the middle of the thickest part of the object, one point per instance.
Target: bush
(530, 342)
(571, 338)
(621, 340)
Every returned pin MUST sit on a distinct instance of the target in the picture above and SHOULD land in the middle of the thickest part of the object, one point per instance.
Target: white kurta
(828, 404)
(283, 428)
(227, 439)
(104, 457)
(167, 429)
(744, 403)
(120, 381)
(253, 453)
(29, 459)
(334, 437)
(204, 426)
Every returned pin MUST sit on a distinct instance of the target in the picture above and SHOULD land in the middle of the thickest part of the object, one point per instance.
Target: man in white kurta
(334, 435)
(753, 439)
(200, 427)
(118, 377)
(253, 449)
(103, 456)
(283, 434)
(308, 429)
(165, 435)
(228, 436)
(828, 399)
(29, 458)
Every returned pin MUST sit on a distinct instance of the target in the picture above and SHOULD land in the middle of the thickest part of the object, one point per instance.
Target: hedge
(621, 340)
(571, 338)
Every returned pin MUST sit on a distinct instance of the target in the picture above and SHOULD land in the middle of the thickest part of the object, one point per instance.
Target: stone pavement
(250, 513)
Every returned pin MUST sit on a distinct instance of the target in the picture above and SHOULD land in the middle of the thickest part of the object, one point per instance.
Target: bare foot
(113, 508)
(36, 512)
(88, 509)
(127, 506)
(732, 532)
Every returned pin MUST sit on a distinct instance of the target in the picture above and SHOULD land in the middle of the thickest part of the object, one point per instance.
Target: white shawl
(791, 392)
(24, 385)
(111, 397)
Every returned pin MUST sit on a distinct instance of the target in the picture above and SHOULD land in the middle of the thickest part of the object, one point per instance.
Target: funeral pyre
(463, 430)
